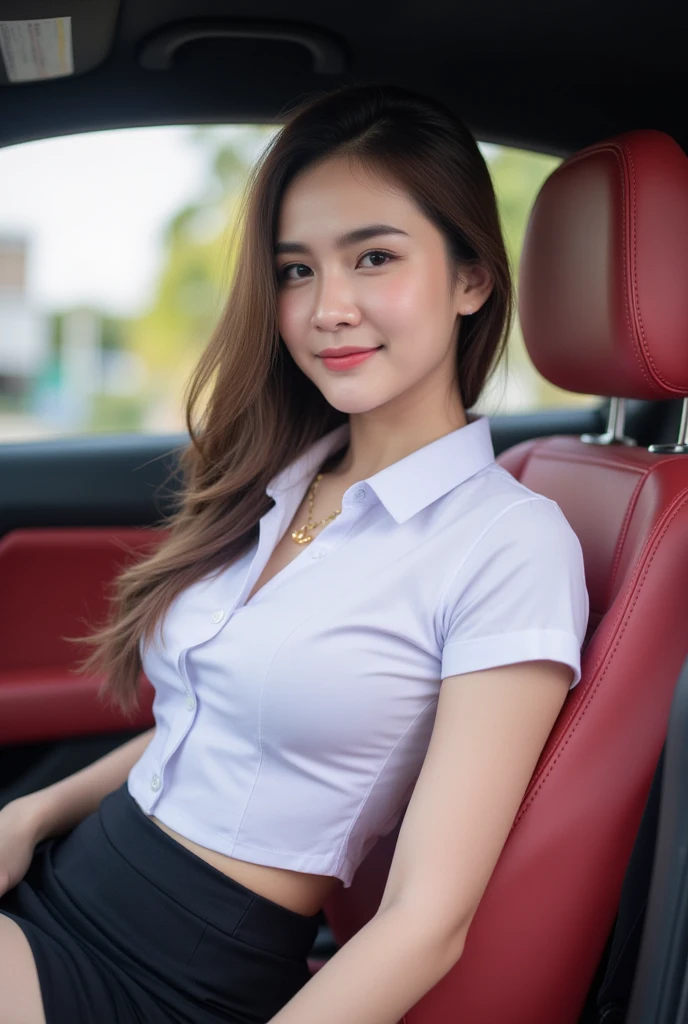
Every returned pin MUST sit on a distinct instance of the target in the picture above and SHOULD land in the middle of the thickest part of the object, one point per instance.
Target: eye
(374, 253)
(284, 275)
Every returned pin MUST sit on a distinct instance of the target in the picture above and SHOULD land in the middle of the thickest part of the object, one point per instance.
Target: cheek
(291, 311)
(403, 303)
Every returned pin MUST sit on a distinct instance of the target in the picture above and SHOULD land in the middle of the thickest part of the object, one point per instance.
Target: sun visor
(50, 39)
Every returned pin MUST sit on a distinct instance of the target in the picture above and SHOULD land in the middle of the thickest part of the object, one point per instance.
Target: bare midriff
(297, 890)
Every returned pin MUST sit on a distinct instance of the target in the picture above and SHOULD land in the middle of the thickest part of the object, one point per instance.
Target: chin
(353, 404)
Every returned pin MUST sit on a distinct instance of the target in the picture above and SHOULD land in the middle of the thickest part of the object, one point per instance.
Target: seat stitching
(579, 711)
(542, 450)
(624, 532)
(628, 196)
(636, 291)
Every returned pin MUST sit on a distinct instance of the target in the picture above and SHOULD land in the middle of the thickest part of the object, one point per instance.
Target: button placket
(190, 701)
(190, 695)
(337, 531)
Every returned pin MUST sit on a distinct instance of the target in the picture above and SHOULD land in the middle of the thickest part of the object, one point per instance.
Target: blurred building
(24, 329)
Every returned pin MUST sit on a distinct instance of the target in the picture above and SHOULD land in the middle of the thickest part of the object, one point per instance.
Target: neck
(368, 452)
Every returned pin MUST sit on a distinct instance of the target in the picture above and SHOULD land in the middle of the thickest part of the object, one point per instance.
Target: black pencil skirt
(127, 926)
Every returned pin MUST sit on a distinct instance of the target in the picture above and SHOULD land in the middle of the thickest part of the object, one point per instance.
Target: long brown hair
(261, 411)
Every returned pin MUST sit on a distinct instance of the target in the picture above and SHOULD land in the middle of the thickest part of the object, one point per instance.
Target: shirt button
(359, 494)
(155, 783)
(190, 702)
(218, 615)
(318, 554)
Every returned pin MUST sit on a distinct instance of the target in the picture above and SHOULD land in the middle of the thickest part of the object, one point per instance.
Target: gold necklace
(301, 536)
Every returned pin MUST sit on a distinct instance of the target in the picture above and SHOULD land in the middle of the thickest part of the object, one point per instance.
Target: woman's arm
(489, 731)
(377, 975)
(59, 807)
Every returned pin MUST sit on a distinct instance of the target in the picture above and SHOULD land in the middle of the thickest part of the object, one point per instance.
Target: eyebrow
(349, 238)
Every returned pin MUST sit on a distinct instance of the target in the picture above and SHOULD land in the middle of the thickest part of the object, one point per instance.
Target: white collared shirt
(291, 730)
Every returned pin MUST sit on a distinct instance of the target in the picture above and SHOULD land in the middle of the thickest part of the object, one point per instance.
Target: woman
(355, 607)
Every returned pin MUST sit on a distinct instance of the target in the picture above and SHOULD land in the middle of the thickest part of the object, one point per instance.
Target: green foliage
(198, 261)
(116, 414)
(518, 176)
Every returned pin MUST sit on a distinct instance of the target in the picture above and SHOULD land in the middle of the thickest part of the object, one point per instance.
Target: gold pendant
(300, 536)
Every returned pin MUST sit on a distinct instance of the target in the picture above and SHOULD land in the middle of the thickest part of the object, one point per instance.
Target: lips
(347, 362)
(345, 350)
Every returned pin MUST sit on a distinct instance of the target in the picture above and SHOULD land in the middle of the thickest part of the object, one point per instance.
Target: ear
(473, 289)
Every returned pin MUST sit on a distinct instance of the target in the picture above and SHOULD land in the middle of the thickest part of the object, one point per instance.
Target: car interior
(603, 307)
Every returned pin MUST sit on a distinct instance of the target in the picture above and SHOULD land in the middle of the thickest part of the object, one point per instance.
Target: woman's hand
(19, 833)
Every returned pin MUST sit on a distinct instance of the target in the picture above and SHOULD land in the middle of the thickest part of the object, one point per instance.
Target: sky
(93, 208)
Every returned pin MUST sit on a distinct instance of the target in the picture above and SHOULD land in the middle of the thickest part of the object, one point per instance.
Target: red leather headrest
(603, 283)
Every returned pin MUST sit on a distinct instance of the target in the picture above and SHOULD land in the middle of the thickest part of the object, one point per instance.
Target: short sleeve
(520, 594)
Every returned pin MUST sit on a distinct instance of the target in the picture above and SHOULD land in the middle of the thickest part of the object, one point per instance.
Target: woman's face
(359, 265)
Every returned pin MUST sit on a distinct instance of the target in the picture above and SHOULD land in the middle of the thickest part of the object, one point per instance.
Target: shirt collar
(411, 483)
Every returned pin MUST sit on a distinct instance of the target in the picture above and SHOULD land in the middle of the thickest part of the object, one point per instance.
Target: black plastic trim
(660, 989)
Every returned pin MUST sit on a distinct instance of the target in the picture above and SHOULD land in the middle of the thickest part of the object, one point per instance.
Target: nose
(335, 305)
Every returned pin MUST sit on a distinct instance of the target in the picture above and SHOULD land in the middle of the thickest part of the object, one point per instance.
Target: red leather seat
(604, 309)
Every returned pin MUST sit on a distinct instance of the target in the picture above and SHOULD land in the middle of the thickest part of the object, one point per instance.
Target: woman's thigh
(21, 1001)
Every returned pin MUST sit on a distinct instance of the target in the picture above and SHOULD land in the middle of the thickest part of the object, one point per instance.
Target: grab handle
(158, 52)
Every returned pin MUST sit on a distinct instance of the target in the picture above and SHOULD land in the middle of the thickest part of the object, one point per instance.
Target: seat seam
(593, 688)
(623, 533)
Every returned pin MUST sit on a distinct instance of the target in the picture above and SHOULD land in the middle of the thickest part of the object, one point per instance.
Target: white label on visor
(37, 49)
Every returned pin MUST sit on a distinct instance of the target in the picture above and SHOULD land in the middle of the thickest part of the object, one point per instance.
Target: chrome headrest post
(615, 424)
(681, 447)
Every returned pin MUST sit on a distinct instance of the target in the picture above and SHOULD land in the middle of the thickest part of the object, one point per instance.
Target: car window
(114, 264)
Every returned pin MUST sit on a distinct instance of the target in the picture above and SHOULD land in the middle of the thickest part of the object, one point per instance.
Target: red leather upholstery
(604, 299)
(53, 587)
(602, 287)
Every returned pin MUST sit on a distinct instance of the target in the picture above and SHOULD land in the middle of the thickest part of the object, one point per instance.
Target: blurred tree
(198, 260)
(518, 176)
